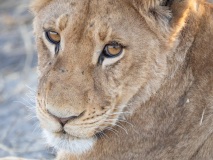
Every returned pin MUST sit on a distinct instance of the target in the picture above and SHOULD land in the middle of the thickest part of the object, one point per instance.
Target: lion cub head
(97, 59)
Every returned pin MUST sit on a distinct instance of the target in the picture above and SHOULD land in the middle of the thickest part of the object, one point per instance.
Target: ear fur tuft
(155, 12)
(169, 16)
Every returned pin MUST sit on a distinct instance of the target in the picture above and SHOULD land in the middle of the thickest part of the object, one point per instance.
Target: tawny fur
(160, 91)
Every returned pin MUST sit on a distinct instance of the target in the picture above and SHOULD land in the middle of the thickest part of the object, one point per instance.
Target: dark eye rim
(50, 39)
(106, 52)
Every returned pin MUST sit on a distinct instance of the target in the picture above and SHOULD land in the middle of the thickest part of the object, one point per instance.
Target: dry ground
(19, 130)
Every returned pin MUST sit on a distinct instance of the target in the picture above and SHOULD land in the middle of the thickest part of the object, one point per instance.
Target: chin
(68, 143)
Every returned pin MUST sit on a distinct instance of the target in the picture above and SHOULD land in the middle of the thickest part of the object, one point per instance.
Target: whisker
(36, 127)
(112, 130)
(105, 134)
(121, 120)
(25, 105)
(31, 90)
(118, 113)
(31, 117)
(120, 126)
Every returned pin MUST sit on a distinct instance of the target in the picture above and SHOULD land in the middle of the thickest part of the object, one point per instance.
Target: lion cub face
(95, 59)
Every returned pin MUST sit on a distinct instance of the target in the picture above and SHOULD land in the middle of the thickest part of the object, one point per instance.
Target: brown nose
(63, 121)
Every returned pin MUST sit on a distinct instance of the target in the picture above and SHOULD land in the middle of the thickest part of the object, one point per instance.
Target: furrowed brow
(57, 24)
(49, 25)
(62, 21)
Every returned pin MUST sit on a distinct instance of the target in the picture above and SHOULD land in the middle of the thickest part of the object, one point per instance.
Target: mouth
(65, 135)
(66, 142)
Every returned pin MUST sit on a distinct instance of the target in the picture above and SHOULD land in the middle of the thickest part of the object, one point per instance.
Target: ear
(168, 15)
(37, 5)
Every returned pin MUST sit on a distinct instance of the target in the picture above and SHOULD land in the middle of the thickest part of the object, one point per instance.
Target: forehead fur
(36, 5)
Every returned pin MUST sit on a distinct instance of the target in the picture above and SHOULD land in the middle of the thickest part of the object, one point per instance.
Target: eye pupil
(53, 37)
(113, 50)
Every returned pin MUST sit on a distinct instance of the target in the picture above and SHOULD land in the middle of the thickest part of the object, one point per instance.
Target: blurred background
(19, 128)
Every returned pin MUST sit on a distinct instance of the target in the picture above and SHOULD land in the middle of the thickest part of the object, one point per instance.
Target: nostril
(63, 121)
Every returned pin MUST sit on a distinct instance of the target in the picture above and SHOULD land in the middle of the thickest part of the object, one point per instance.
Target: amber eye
(113, 50)
(53, 37)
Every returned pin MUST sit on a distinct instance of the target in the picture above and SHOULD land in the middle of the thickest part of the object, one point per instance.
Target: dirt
(20, 134)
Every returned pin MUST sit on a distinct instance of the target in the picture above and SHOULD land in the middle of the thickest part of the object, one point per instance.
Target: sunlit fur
(154, 101)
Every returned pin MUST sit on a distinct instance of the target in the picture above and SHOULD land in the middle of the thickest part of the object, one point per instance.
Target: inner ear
(168, 3)
(171, 15)
(170, 11)
(162, 14)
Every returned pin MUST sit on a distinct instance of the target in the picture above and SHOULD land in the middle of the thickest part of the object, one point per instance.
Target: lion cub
(125, 79)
